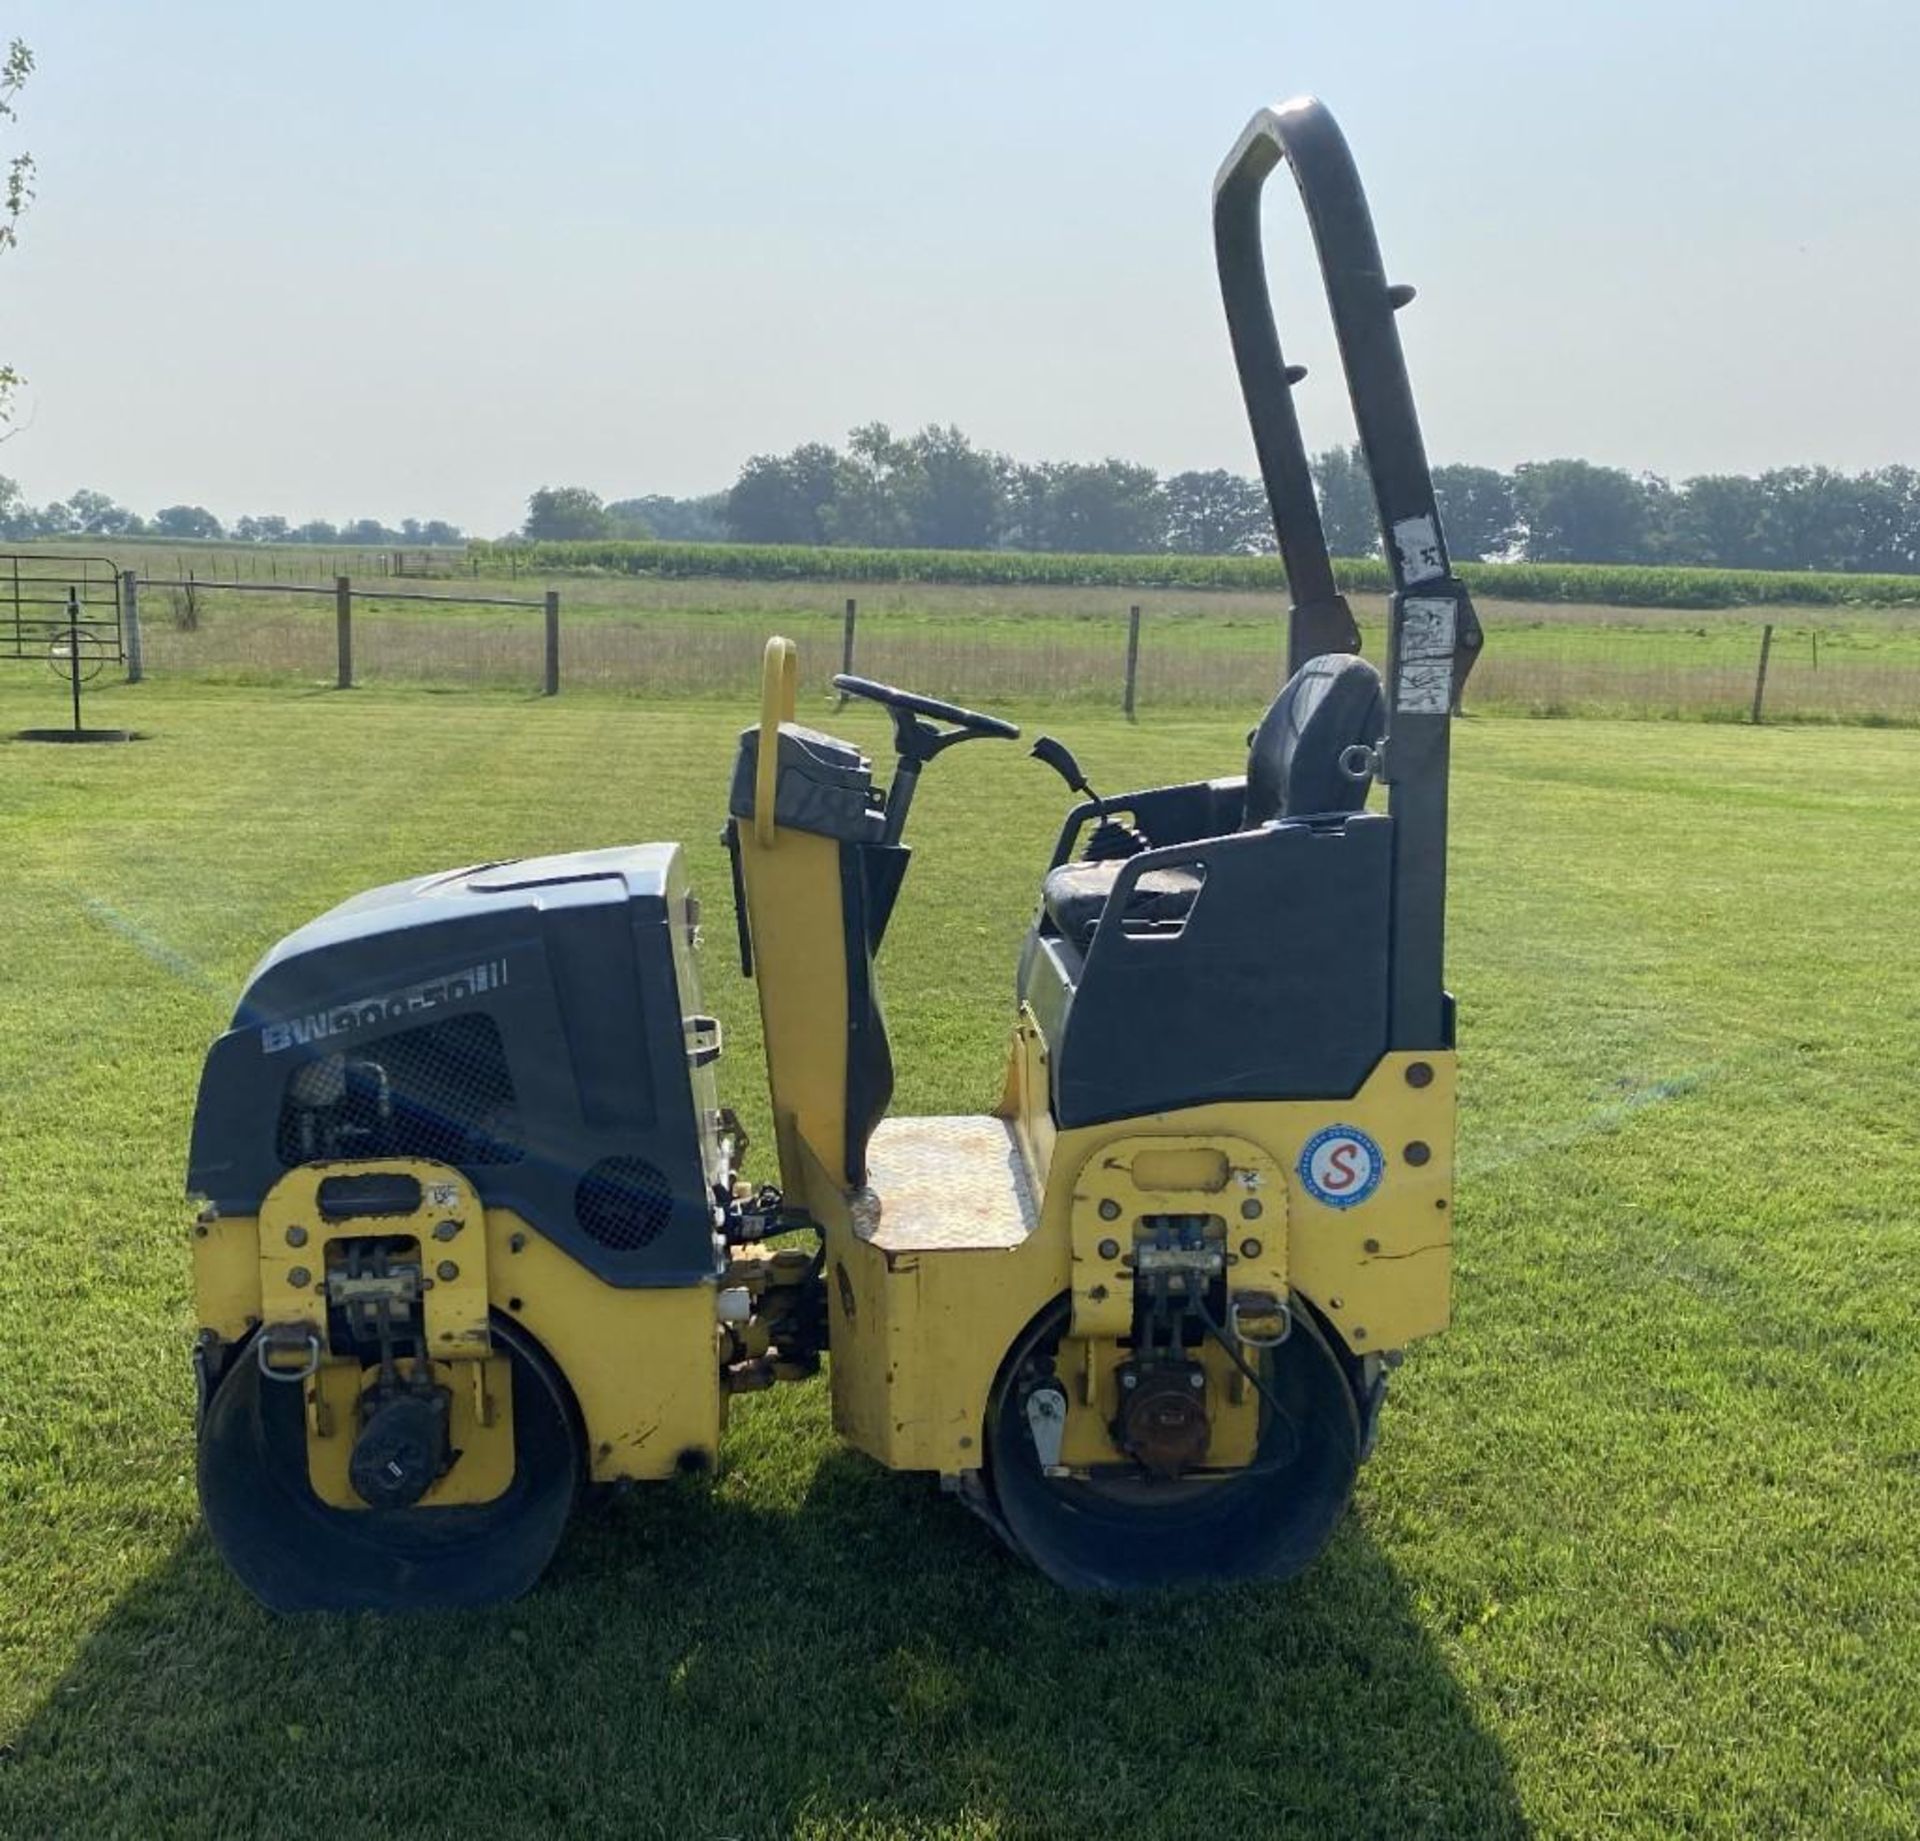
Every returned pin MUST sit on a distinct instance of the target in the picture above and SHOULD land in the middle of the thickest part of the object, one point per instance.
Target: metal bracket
(297, 1289)
(276, 1338)
(704, 1040)
(1258, 1304)
(1046, 1414)
(1229, 1177)
(1360, 763)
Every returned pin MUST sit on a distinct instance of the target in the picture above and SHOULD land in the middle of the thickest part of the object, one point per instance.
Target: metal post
(343, 628)
(1760, 679)
(553, 642)
(130, 625)
(1133, 658)
(1816, 648)
(846, 643)
(73, 650)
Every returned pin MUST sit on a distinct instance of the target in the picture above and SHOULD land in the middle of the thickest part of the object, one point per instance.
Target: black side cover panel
(885, 867)
(869, 1055)
(1276, 987)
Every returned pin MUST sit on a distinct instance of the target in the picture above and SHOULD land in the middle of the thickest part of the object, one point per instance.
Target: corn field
(1640, 586)
(1581, 584)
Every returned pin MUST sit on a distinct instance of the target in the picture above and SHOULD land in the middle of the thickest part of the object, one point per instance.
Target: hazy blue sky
(417, 259)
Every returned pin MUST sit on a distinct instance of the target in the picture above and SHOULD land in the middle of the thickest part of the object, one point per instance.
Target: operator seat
(1329, 705)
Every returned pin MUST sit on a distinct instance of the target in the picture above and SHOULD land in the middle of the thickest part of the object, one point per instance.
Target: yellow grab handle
(779, 680)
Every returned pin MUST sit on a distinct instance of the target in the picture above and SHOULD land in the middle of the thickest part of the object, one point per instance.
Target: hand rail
(779, 684)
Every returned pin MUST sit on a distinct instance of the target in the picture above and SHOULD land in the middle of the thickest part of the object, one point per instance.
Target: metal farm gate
(34, 592)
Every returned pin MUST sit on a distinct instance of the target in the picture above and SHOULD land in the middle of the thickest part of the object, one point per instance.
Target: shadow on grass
(865, 1662)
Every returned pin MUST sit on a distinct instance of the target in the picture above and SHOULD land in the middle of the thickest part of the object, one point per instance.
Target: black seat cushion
(1076, 895)
(1329, 705)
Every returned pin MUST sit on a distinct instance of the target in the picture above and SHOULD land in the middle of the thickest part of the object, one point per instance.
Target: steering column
(915, 738)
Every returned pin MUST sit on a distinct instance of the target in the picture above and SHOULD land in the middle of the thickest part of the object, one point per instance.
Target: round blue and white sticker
(1341, 1166)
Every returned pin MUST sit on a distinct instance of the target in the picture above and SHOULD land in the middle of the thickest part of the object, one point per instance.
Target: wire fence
(391, 630)
(303, 562)
(1859, 665)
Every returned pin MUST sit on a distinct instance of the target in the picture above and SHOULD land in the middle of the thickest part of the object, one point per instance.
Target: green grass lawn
(1640, 1549)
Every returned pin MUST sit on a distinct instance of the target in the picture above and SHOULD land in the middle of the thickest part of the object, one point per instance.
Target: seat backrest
(1329, 705)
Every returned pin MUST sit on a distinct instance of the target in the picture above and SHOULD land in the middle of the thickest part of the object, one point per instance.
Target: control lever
(1059, 757)
(1111, 837)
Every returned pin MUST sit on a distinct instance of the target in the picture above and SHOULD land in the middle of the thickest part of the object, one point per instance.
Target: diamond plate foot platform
(945, 1185)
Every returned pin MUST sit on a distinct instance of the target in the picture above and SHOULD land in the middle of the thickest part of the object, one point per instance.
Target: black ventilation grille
(624, 1203)
(440, 1092)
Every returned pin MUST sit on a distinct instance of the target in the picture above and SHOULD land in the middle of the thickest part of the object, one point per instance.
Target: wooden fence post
(130, 625)
(553, 642)
(1133, 658)
(846, 644)
(343, 628)
(1760, 678)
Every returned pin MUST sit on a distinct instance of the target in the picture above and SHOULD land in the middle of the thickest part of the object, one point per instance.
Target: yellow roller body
(642, 1364)
(921, 1320)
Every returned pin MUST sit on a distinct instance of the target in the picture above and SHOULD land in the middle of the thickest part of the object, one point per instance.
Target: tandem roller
(478, 1233)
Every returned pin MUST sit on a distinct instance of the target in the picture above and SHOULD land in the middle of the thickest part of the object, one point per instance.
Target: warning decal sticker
(1418, 542)
(1427, 627)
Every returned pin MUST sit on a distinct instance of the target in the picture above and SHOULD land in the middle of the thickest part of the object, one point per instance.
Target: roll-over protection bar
(1433, 636)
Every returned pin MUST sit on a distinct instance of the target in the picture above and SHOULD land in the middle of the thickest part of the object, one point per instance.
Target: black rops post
(1433, 635)
(77, 654)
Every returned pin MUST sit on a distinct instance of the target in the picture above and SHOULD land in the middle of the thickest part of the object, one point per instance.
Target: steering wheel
(915, 739)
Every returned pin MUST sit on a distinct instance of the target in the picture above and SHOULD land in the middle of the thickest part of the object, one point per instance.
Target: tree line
(936, 490)
(1572, 511)
(86, 513)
